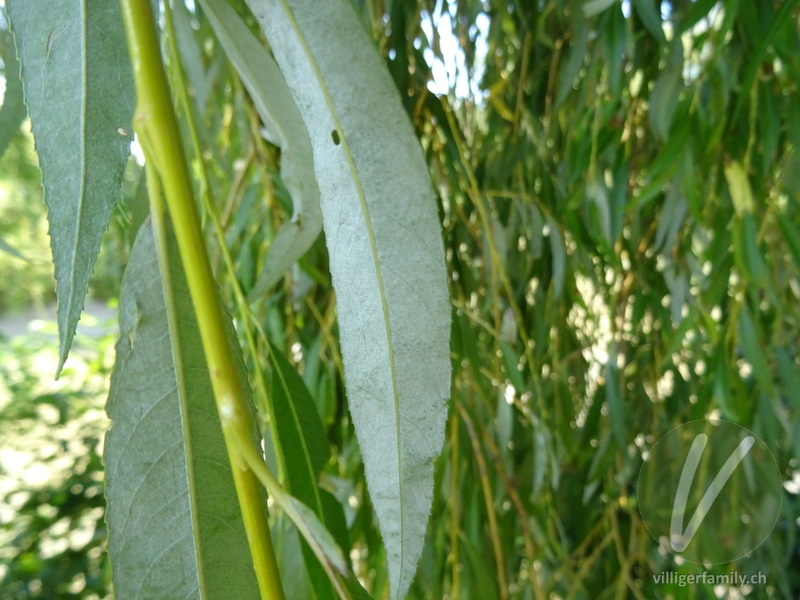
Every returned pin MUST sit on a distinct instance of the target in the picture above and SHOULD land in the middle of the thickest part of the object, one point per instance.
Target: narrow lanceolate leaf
(175, 528)
(739, 186)
(13, 111)
(79, 92)
(300, 429)
(284, 126)
(301, 433)
(9, 249)
(387, 260)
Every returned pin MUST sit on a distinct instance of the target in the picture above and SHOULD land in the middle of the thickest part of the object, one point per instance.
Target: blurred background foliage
(618, 184)
(52, 532)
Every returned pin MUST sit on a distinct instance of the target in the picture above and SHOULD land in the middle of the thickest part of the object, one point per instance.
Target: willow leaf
(284, 125)
(9, 249)
(79, 91)
(12, 112)
(299, 428)
(300, 431)
(387, 260)
(175, 528)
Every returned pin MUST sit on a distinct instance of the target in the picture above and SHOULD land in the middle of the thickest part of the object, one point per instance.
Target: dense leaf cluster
(618, 187)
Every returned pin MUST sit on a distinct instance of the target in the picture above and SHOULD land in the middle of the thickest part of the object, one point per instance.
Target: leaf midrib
(66, 338)
(161, 239)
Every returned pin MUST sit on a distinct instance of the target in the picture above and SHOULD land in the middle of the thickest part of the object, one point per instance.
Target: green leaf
(301, 433)
(287, 546)
(746, 250)
(616, 406)
(592, 8)
(299, 428)
(739, 187)
(324, 547)
(13, 111)
(198, 77)
(175, 527)
(9, 249)
(791, 237)
(752, 253)
(754, 351)
(728, 402)
(755, 56)
(790, 378)
(649, 13)
(667, 92)
(671, 220)
(319, 537)
(699, 9)
(79, 92)
(559, 252)
(387, 260)
(284, 125)
(597, 194)
(662, 169)
(572, 67)
(335, 520)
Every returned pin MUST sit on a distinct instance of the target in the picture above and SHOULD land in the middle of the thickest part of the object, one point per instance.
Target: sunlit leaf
(593, 8)
(386, 255)
(739, 187)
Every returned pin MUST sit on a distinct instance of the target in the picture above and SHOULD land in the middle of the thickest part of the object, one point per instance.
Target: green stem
(247, 320)
(157, 129)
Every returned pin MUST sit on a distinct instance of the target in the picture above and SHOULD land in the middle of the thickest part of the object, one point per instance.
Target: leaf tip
(63, 353)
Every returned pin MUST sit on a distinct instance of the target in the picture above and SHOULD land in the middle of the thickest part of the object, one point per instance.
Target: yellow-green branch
(157, 129)
(248, 322)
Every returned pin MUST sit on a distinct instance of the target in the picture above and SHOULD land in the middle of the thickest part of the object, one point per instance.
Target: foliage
(618, 191)
(52, 532)
(150, 439)
(25, 269)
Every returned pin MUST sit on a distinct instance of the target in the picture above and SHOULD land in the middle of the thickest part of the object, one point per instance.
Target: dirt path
(98, 319)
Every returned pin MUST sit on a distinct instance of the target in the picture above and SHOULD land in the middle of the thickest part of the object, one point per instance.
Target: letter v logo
(709, 491)
(679, 539)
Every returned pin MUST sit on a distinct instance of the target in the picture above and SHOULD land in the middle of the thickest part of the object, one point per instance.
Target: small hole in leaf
(335, 136)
